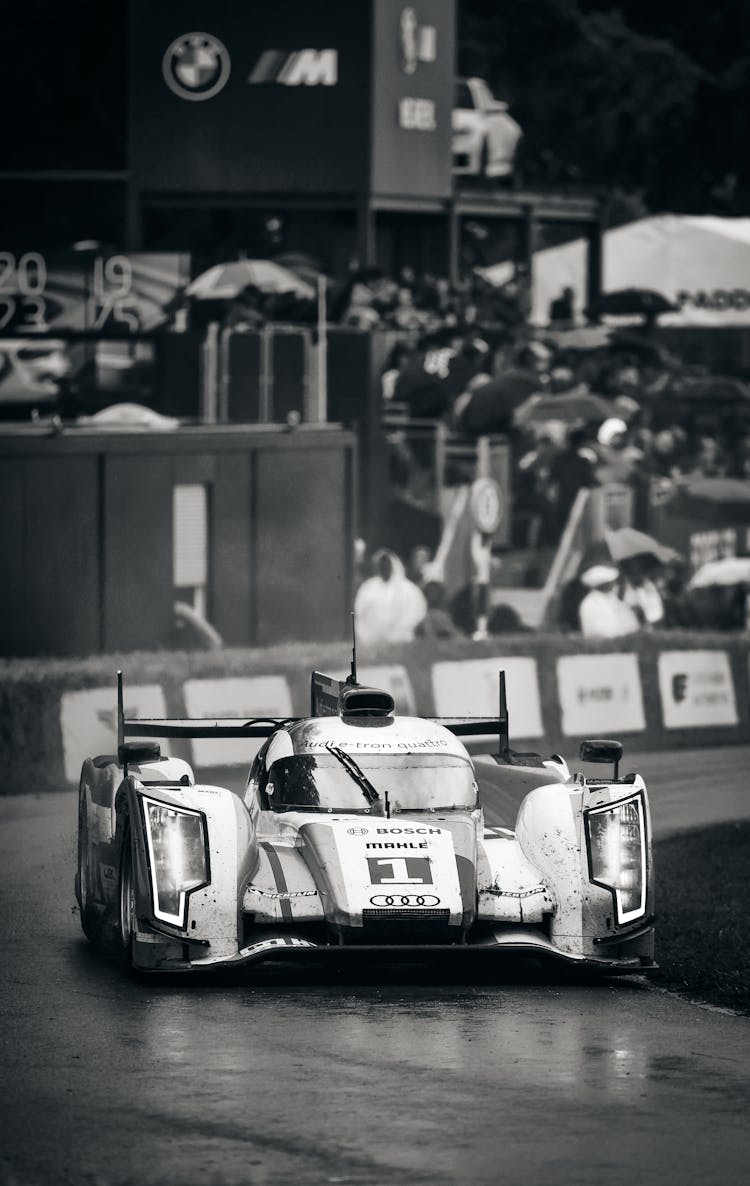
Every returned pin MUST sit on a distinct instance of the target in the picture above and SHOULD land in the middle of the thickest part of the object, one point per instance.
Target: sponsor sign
(696, 689)
(305, 67)
(259, 696)
(600, 694)
(196, 66)
(470, 688)
(88, 720)
(486, 503)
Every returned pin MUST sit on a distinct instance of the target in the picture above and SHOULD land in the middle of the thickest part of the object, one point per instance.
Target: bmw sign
(196, 66)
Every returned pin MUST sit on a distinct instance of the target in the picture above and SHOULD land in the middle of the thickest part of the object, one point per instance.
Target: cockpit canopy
(371, 784)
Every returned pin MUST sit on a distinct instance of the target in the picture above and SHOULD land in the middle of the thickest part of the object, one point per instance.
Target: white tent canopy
(701, 264)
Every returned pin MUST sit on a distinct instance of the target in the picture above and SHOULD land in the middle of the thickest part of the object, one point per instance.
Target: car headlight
(616, 836)
(177, 857)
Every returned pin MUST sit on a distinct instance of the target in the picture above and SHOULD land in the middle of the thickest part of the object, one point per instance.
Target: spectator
(640, 591)
(603, 613)
(619, 460)
(562, 309)
(573, 469)
(437, 622)
(388, 607)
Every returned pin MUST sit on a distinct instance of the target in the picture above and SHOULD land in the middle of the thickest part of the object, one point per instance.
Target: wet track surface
(402, 1075)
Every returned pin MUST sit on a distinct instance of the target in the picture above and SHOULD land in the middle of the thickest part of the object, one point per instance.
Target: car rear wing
(328, 696)
(192, 727)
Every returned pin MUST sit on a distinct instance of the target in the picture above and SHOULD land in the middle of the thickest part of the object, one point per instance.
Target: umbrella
(585, 337)
(490, 407)
(638, 302)
(722, 502)
(625, 542)
(306, 267)
(225, 282)
(714, 389)
(570, 406)
(732, 570)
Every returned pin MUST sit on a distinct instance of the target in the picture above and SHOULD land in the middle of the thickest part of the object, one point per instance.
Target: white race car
(485, 135)
(361, 834)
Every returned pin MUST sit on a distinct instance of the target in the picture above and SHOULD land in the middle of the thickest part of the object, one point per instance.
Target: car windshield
(404, 782)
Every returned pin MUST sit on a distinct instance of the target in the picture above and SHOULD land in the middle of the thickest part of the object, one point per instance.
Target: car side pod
(601, 750)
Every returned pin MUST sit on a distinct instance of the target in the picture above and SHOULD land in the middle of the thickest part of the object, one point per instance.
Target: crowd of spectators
(580, 407)
(580, 410)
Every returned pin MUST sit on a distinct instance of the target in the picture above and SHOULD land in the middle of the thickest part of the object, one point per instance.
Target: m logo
(303, 67)
(399, 870)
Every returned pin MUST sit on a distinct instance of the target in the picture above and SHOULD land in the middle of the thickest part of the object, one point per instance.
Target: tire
(126, 910)
(91, 921)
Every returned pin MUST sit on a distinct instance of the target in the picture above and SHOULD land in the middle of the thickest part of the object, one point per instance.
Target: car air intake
(421, 912)
(366, 702)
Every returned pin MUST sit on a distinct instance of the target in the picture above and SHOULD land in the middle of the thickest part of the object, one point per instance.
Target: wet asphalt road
(408, 1076)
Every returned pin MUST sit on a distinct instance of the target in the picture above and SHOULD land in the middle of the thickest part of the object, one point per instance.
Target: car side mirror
(133, 753)
(599, 750)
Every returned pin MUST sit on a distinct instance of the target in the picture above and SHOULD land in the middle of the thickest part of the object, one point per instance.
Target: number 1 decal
(399, 870)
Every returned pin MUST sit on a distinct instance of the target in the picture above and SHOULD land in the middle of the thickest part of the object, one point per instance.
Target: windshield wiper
(359, 776)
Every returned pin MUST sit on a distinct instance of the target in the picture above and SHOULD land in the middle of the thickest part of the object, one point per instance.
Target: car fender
(213, 911)
(551, 833)
(548, 832)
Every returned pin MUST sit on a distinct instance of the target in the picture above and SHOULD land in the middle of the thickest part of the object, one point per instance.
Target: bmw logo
(196, 66)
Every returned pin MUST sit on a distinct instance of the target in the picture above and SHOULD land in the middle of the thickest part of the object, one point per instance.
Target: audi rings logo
(196, 66)
(356, 831)
(405, 900)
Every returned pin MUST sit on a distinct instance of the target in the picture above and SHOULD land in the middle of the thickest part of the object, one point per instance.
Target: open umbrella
(571, 406)
(625, 542)
(713, 389)
(490, 406)
(582, 338)
(225, 282)
(722, 502)
(732, 570)
(635, 302)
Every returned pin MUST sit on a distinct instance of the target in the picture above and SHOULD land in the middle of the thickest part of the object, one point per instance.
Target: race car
(485, 136)
(360, 834)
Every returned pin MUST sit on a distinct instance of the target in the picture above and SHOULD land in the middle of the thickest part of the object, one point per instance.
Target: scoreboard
(109, 294)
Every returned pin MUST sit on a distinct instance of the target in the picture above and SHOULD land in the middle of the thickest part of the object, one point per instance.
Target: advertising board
(88, 720)
(258, 696)
(470, 688)
(301, 96)
(228, 97)
(696, 689)
(413, 67)
(599, 695)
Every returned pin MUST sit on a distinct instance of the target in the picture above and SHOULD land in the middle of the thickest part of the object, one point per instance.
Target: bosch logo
(405, 900)
(196, 66)
(356, 831)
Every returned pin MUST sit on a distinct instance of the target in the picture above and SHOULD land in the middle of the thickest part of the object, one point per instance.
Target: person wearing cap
(619, 459)
(602, 612)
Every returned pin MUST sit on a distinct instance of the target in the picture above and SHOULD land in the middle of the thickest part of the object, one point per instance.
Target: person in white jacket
(603, 613)
(388, 607)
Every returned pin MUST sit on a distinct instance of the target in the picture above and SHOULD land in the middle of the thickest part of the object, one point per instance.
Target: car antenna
(120, 713)
(502, 717)
(352, 677)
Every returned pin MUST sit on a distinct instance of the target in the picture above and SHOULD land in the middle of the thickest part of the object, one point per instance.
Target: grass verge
(703, 923)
